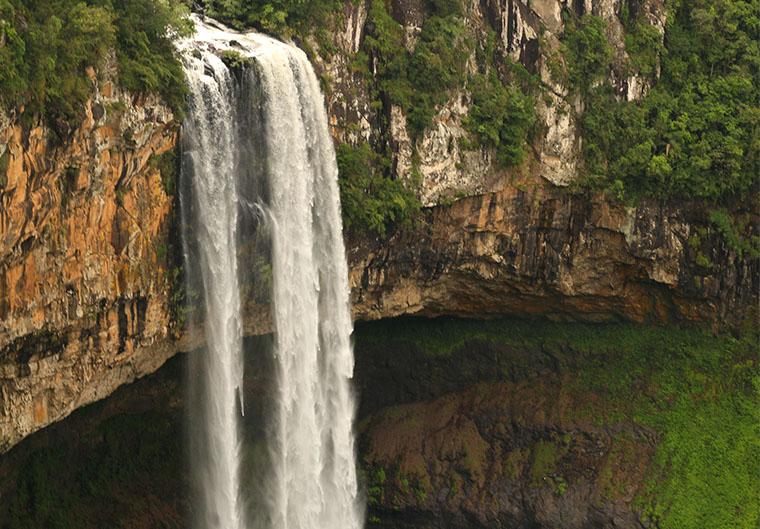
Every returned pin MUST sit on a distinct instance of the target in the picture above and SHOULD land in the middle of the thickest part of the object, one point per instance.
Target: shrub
(384, 43)
(46, 47)
(725, 224)
(643, 43)
(279, 17)
(49, 49)
(500, 118)
(422, 80)
(436, 67)
(145, 52)
(371, 201)
(694, 135)
(586, 50)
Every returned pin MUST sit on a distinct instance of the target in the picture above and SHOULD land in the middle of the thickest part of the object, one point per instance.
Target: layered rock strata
(84, 279)
(543, 252)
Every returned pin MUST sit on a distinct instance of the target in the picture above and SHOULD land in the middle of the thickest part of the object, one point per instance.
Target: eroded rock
(84, 276)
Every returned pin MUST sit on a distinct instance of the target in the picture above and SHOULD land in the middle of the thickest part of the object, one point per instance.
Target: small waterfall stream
(264, 128)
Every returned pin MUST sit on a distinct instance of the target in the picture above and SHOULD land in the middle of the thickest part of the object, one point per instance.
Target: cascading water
(209, 145)
(312, 481)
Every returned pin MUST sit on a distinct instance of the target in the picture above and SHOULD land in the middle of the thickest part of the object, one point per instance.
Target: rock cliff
(504, 455)
(461, 424)
(543, 252)
(84, 280)
(88, 288)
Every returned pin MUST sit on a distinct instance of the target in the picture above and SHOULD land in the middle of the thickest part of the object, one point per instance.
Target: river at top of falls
(257, 151)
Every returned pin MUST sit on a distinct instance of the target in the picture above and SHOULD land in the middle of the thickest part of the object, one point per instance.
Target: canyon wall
(90, 288)
(84, 282)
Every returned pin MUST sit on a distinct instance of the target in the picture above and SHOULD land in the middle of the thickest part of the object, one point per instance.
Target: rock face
(542, 251)
(487, 435)
(86, 285)
(502, 455)
(84, 280)
(527, 32)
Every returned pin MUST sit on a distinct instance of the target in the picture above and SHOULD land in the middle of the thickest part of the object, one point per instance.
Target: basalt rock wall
(84, 274)
(544, 252)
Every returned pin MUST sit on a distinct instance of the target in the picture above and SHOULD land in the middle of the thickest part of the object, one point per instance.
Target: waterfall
(209, 144)
(264, 128)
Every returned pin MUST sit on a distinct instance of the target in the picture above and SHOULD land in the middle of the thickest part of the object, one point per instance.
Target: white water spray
(209, 141)
(312, 483)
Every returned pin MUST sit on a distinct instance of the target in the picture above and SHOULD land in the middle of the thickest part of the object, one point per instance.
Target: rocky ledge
(543, 251)
(87, 289)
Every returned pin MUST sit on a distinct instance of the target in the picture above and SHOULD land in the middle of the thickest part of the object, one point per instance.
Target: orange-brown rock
(504, 455)
(84, 288)
(540, 250)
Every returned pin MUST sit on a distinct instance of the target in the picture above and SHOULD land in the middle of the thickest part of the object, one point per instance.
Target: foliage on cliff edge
(46, 47)
(696, 133)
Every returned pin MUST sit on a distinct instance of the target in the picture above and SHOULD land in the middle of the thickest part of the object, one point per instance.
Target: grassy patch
(545, 457)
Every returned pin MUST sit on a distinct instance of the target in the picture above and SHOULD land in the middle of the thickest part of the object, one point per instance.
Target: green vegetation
(130, 457)
(726, 225)
(47, 50)
(422, 80)
(695, 134)
(586, 50)
(4, 161)
(234, 59)
(698, 391)
(144, 49)
(372, 201)
(643, 44)
(168, 166)
(46, 47)
(279, 17)
(376, 480)
(419, 82)
(500, 118)
(545, 457)
(436, 67)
